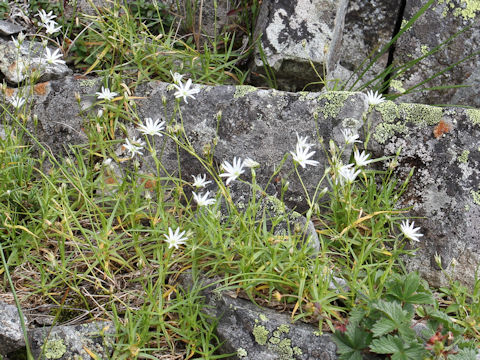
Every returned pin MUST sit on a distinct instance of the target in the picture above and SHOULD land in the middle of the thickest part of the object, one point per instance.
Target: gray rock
(11, 335)
(295, 32)
(369, 26)
(441, 21)
(251, 332)
(442, 145)
(72, 342)
(7, 28)
(17, 65)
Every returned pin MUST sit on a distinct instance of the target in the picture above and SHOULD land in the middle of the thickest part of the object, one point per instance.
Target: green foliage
(385, 325)
(4, 9)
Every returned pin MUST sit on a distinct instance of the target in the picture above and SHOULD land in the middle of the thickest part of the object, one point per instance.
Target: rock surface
(72, 342)
(7, 28)
(443, 147)
(11, 334)
(293, 33)
(447, 17)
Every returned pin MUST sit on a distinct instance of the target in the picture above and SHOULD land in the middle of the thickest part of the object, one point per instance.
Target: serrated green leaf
(392, 310)
(464, 354)
(353, 341)
(383, 327)
(411, 283)
(420, 298)
(398, 347)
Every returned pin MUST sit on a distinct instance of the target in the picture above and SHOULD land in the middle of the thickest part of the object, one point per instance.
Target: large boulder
(369, 26)
(441, 145)
(293, 33)
(440, 22)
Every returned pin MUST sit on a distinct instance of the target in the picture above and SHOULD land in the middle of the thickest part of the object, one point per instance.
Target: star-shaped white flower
(106, 94)
(175, 239)
(200, 181)
(17, 101)
(302, 141)
(232, 172)
(347, 174)
(302, 155)
(53, 59)
(132, 148)
(350, 137)
(50, 27)
(361, 158)
(44, 17)
(177, 78)
(152, 128)
(409, 231)
(19, 40)
(374, 98)
(183, 90)
(203, 200)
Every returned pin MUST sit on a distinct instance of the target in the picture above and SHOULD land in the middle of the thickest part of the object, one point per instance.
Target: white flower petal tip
(152, 128)
(250, 163)
(134, 147)
(184, 91)
(361, 158)
(409, 231)
(16, 101)
(302, 156)
(175, 239)
(177, 78)
(53, 58)
(347, 174)
(374, 98)
(232, 171)
(203, 200)
(200, 181)
(106, 94)
(350, 137)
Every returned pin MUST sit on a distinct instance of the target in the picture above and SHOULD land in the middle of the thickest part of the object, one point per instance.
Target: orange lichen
(441, 128)
(40, 89)
(9, 92)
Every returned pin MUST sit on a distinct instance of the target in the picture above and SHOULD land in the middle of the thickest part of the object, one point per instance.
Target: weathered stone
(72, 342)
(11, 334)
(293, 33)
(18, 65)
(444, 192)
(369, 26)
(441, 21)
(251, 332)
(7, 28)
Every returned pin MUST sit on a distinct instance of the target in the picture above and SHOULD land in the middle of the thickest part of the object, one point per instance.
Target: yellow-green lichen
(424, 49)
(397, 85)
(421, 114)
(467, 8)
(463, 158)
(475, 196)
(275, 339)
(297, 350)
(474, 116)
(242, 90)
(261, 334)
(283, 349)
(284, 328)
(241, 352)
(335, 100)
(54, 348)
(385, 131)
(263, 318)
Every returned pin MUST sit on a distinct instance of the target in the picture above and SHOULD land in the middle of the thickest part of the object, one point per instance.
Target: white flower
(175, 239)
(53, 59)
(17, 101)
(409, 231)
(44, 17)
(183, 90)
(374, 98)
(302, 154)
(347, 173)
(132, 148)
(50, 27)
(19, 40)
(233, 171)
(203, 200)
(152, 128)
(361, 158)
(106, 94)
(250, 163)
(302, 141)
(350, 137)
(199, 181)
(108, 163)
(177, 78)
